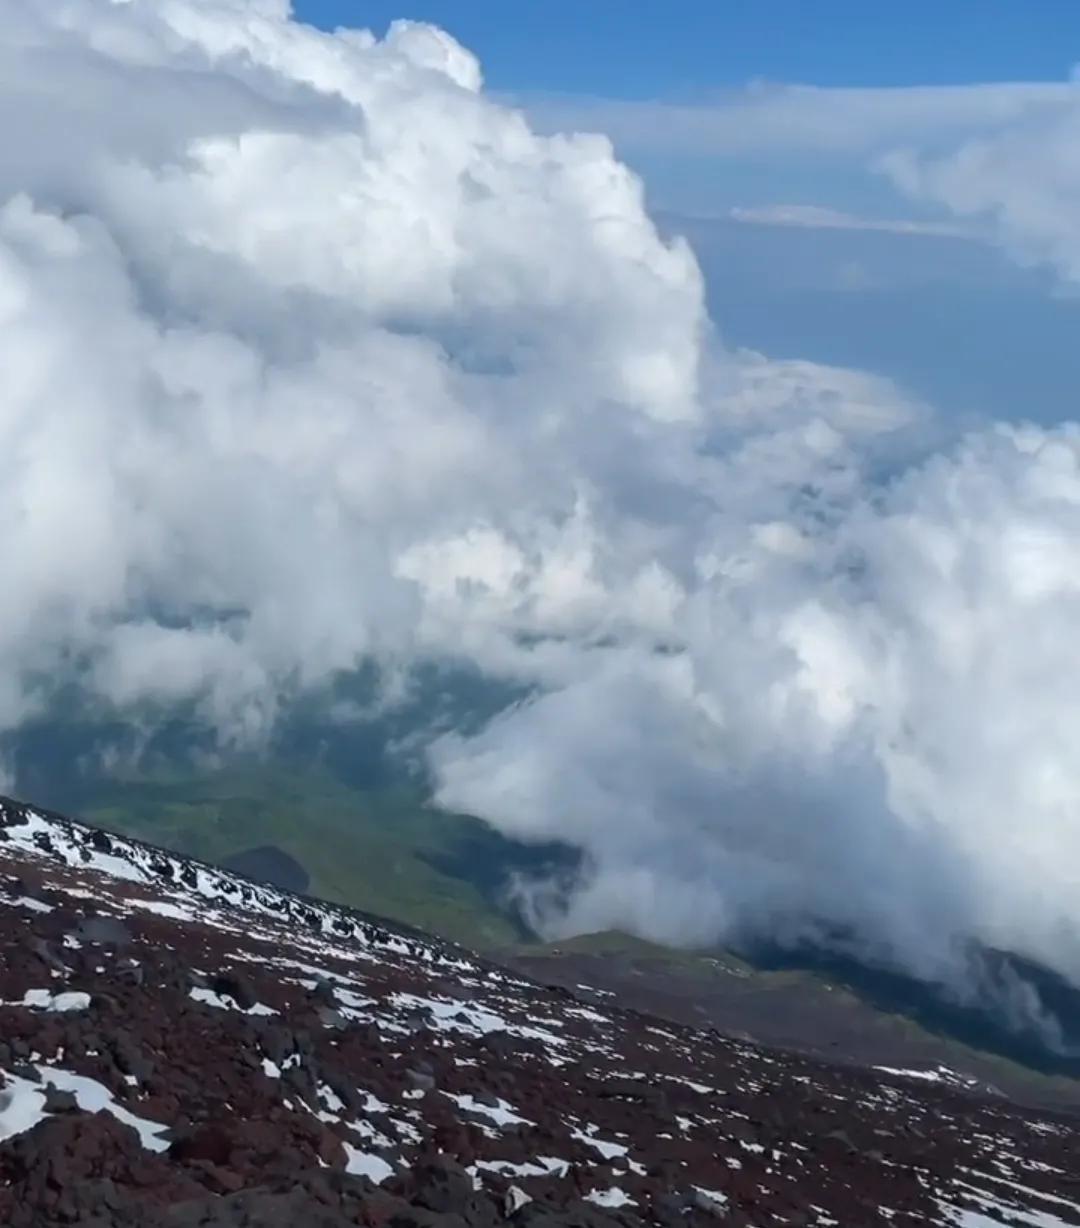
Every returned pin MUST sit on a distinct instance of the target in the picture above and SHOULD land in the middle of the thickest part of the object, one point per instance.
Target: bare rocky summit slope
(181, 1046)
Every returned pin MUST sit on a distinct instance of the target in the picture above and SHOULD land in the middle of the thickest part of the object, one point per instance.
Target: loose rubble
(182, 1046)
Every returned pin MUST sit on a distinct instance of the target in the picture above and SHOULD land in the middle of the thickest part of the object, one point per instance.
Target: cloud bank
(314, 354)
(764, 117)
(1020, 180)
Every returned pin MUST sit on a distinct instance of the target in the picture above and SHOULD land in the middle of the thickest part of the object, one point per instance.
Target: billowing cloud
(1020, 181)
(314, 354)
(276, 306)
(867, 712)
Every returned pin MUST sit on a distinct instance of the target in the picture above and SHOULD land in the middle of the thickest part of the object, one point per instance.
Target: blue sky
(653, 48)
(698, 99)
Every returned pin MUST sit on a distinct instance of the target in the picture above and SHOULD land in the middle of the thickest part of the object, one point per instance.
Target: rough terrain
(181, 1046)
(831, 1017)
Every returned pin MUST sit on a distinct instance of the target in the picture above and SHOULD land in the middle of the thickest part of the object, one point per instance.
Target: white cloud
(1019, 182)
(313, 353)
(819, 217)
(878, 724)
(266, 336)
(765, 118)
(769, 141)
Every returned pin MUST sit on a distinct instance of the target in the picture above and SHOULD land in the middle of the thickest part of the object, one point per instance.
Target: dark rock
(234, 985)
(419, 1080)
(444, 1187)
(47, 955)
(500, 1045)
(630, 1089)
(669, 1209)
(513, 1201)
(701, 1201)
(132, 974)
(129, 1058)
(277, 1042)
(100, 841)
(59, 1101)
(324, 992)
(209, 1143)
(103, 931)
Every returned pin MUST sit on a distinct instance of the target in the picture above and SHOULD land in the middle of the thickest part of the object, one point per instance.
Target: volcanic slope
(181, 1046)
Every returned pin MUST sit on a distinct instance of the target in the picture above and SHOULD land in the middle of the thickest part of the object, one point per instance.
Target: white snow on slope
(45, 1000)
(224, 1002)
(363, 1164)
(22, 1105)
(501, 1114)
(24, 901)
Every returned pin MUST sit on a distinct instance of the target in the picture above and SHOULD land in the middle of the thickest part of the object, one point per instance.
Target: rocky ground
(826, 1017)
(180, 1046)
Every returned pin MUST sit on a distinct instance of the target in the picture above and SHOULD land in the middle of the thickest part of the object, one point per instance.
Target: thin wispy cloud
(819, 217)
(769, 118)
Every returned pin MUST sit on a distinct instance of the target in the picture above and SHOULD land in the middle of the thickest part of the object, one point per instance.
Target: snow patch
(613, 1197)
(607, 1149)
(44, 1000)
(501, 1114)
(22, 1105)
(224, 1002)
(364, 1164)
(24, 901)
(164, 909)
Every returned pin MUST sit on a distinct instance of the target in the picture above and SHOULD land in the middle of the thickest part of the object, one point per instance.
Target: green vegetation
(334, 791)
(382, 850)
(357, 822)
(628, 947)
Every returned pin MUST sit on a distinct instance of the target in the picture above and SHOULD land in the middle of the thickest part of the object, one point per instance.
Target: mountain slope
(371, 840)
(830, 1012)
(260, 1058)
(380, 845)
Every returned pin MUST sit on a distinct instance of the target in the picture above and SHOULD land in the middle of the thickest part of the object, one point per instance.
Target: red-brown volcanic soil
(181, 1046)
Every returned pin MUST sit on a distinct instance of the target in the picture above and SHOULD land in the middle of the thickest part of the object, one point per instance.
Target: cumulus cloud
(276, 306)
(316, 355)
(1020, 181)
(844, 723)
